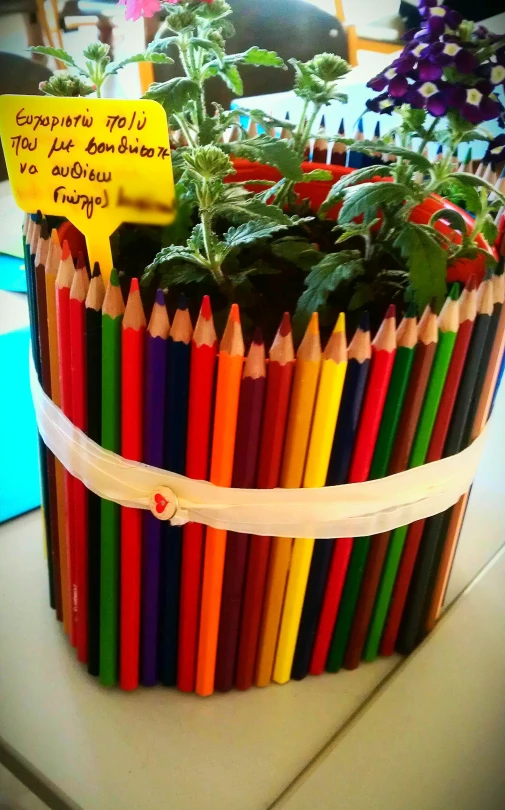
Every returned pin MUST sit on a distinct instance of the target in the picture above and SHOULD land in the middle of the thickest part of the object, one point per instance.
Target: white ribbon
(349, 510)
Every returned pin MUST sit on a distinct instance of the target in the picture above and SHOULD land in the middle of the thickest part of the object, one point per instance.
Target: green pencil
(448, 328)
(112, 317)
(406, 341)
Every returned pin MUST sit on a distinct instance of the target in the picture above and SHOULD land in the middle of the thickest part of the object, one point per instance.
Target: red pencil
(467, 313)
(77, 309)
(132, 396)
(201, 392)
(247, 443)
(278, 390)
(64, 280)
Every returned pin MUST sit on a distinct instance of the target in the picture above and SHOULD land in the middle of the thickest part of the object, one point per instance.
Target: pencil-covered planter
(231, 501)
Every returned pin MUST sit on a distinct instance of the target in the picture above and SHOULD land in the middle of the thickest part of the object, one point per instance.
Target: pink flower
(138, 8)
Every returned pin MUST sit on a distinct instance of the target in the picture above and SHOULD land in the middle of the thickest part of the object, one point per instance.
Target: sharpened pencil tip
(377, 130)
(322, 125)
(313, 327)
(287, 117)
(44, 229)
(55, 239)
(364, 321)
(114, 278)
(183, 303)
(411, 311)
(160, 298)
(206, 309)
(340, 323)
(258, 336)
(341, 129)
(454, 292)
(65, 251)
(38, 217)
(360, 125)
(96, 270)
(81, 262)
(134, 285)
(471, 283)
(234, 313)
(285, 327)
(391, 311)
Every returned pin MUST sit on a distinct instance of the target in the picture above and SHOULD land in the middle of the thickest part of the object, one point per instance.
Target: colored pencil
(306, 378)
(485, 404)
(330, 562)
(338, 155)
(368, 553)
(356, 160)
(154, 426)
(52, 265)
(64, 280)
(231, 358)
(430, 549)
(443, 377)
(77, 314)
(112, 318)
(93, 336)
(176, 420)
(278, 390)
(381, 367)
(132, 382)
(247, 443)
(328, 403)
(467, 314)
(41, 259)
(320, 148)
(418, 381)
(201, 393)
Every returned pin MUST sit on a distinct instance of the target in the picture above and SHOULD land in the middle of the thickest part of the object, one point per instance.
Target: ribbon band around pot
(348, 510)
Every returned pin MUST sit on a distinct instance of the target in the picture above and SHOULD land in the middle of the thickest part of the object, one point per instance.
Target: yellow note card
(96, 162)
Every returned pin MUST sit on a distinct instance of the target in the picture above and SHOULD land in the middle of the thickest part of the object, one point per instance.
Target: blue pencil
(176, 418)
(154, 414)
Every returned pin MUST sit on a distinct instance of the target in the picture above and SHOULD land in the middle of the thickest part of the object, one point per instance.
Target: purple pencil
(252, 394)
(154, 415)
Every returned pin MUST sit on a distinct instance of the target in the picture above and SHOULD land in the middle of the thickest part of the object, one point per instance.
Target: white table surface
(156, 748)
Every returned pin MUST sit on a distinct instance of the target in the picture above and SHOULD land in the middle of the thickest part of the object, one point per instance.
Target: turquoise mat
(19, 463)
(12, 274)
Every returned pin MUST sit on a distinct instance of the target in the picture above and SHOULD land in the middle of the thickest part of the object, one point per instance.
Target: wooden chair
(382, 35)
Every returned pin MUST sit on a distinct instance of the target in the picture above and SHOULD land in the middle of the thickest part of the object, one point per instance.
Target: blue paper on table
(19, 460)
(12, 274)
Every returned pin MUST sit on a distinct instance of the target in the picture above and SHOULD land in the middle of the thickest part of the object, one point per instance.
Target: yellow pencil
(329, 395)
(306, 377)
(52, 264)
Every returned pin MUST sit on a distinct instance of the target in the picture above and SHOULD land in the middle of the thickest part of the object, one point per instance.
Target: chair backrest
(293, 28)
(20, 76)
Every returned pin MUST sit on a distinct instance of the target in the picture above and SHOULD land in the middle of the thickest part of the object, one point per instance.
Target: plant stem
(213, 264)
(184, 129)
(427, 137)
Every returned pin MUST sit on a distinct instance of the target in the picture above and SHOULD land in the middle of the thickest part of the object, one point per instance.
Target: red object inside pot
(316, 191)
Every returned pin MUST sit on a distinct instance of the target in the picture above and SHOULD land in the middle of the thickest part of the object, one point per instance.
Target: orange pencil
(229, 374)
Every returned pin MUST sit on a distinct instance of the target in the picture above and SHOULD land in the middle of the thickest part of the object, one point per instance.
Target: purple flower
(428, 95)
(398, 86)
(478, 107)
(405, 63)
(497, 75)
(465, 61)
(495, 152)
(450, 17)
(381, 104)
(429, 71)
(378, 83)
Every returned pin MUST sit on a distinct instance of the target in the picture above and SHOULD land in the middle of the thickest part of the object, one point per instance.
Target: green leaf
(337, 191)
(208, 45)
(273, 151)
(317, 174)
(473, 180)
(325, 278)
(184, 274)
(246, 209)
(463, 194)
(250, 232)
(371, 147)
(366, 199)
(454, 218)
(298, 251)
(161, 44)
(174, 253)
(255, 56)
(426, 261)
(58, 53)
(231, 77)
(489, 230)
(175, 94)
(148, 56)
(363, 295)
(264, 120)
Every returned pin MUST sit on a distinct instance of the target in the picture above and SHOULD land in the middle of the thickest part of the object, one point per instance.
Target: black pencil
(176, 410)
(424, 573)
(94, 301)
